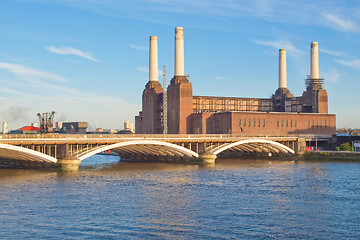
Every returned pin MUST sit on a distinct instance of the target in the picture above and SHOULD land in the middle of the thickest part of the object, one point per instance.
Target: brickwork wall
(257, 123)
(180, 105)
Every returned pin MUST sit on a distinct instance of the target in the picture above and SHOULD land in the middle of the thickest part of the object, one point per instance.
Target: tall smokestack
(282, 68)
(153, 59)
(314, 61)
(179, 51)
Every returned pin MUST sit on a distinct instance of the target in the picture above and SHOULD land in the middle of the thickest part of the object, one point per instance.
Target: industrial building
(282, 114)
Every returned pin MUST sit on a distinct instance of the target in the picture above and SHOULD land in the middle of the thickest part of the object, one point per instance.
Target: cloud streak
(138, 47)
(353, 63)
(333, 53)
(26, 73)
(278, 44)
(218, 77)
(341, 23)
(72, 51)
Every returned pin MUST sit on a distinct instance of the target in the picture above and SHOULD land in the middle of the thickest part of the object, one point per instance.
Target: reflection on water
(234, 198)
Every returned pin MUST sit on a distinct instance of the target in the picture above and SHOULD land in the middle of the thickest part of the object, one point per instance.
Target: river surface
(233, 199)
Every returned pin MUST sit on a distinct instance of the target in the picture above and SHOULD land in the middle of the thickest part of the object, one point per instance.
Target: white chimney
(314, 61)
(5, 128)
(179, 51)
(153, 59)
(282, 68)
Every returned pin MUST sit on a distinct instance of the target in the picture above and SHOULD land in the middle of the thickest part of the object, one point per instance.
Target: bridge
(67, 151)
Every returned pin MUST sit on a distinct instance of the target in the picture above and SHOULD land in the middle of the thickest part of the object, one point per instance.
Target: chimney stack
(179, 52)
(314, 61)
(282, 68)
(153, 59)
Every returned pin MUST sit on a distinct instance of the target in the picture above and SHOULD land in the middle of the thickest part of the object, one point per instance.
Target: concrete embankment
(332, 156)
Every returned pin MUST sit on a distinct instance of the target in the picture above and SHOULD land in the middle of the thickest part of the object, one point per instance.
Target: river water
(233, 199)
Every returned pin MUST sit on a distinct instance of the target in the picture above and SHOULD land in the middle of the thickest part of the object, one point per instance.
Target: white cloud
(71, 51)
(11, 91)
(353, 63)
(332, 75)
(143, 69)
(340, 23)
(138, 47)
(27, 73)
(218, 77)
(278, 44)
(333, 53)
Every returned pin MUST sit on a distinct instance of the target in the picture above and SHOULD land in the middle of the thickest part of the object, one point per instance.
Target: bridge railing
(168, 136)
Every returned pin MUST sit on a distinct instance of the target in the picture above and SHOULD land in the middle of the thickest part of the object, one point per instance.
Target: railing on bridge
(102, 135)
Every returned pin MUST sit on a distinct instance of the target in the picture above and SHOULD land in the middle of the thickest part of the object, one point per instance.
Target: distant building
(74, 127)
(100, 130)
(113, 131)
(27, 130)
(357, 145)
(59, 125)
(128, 126)
(281, 114)
(5, 128)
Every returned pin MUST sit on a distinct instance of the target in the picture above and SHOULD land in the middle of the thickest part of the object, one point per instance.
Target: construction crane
(46, 122)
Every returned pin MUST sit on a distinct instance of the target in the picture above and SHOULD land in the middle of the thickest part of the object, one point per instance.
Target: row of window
(311, 123)
(253, 122)
(286, 123)
(283, 123)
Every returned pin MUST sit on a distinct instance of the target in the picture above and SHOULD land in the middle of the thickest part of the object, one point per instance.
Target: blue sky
(88, 59)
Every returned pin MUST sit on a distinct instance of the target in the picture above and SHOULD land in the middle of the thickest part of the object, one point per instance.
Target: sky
(87, 60)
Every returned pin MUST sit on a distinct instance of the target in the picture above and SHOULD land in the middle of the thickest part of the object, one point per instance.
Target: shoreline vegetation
(330, 156)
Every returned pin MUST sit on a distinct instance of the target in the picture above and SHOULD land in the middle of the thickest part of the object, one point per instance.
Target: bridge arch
(24, 154)
(144, 147)
(254, 145)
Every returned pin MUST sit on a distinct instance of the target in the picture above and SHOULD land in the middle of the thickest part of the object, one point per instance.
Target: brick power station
(282, 114)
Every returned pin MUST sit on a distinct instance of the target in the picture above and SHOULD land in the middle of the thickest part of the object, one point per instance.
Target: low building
(74, 127)
(27, 130)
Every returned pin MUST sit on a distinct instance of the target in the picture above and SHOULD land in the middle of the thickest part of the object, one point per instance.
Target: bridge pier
(300, 146)
(68, 164)
(207, 158)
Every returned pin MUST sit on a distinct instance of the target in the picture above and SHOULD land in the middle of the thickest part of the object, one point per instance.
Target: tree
(346, 147)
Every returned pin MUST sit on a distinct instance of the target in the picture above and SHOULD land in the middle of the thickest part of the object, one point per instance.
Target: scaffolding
(226, 104)
(164, 118)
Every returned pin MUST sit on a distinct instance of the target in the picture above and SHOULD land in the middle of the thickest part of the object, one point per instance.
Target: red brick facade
(262, 123)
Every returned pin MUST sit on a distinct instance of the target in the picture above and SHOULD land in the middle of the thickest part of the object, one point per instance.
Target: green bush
(346, 147)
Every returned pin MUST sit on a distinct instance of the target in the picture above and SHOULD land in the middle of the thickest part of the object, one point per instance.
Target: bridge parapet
(149, 147)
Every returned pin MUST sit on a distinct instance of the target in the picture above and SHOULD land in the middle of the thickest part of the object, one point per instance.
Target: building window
(325, 123)
(282, 122)
(320, 123)
(317, 123)
(244, 122)
(295, 123)
(240, 122)
(291, 123)
(278, 123)
(308, 123)
(254, 122)
(287, 122)
(259, 123)
(249, 122)
(264, 123)
(329, 123)
(313, 123)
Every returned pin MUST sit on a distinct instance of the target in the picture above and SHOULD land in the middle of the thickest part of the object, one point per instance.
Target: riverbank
(331, 156)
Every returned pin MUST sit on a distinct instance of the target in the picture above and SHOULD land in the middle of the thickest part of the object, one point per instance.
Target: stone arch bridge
(67, 151)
